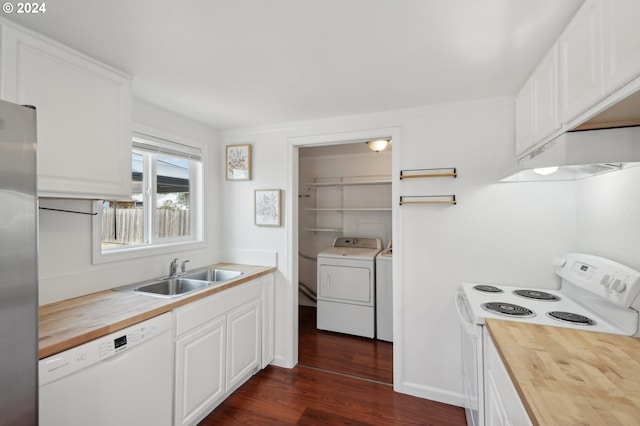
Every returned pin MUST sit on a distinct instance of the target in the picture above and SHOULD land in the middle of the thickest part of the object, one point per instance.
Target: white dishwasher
(124, 378)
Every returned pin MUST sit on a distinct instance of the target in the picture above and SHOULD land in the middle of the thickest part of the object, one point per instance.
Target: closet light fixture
(378, 145)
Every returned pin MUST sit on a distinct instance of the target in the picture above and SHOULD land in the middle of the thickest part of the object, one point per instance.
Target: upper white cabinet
(544, 85)
(581, 82)
(537, 104)
(621, 33)
(598, 61)
(524, 118)
(83, 114)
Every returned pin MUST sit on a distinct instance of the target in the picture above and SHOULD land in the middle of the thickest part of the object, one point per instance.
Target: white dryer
(346, 286)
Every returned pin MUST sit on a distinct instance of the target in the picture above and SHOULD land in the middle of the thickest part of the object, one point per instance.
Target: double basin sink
(186, 283)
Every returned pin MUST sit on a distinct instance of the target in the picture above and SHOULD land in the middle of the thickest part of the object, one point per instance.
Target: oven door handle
(468, 326)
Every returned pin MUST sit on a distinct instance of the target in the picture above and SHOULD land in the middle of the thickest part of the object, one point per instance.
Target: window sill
(138, 252)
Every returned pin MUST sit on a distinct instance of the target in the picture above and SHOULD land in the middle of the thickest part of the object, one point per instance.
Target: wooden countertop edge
(569, 376)
(54, 313)
(525, 402)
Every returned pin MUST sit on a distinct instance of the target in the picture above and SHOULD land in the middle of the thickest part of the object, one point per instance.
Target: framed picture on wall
(238, 162)
(267, 207)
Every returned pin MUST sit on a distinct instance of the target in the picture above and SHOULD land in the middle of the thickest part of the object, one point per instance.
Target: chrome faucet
(183, 266)
(173, 268)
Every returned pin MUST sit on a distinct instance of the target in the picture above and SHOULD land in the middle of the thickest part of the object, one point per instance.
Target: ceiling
(243, 63)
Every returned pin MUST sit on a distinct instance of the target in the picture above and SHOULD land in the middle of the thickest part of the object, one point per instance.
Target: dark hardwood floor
(357, 356)
(340, 380)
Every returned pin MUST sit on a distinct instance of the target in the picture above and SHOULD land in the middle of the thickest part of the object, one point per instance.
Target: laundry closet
(344, 191)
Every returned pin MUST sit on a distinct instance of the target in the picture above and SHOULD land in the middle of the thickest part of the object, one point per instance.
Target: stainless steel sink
(169, 287)
(179, 286)
(213, 275)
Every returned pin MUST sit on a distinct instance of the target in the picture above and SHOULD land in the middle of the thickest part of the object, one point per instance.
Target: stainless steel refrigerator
(18, 266)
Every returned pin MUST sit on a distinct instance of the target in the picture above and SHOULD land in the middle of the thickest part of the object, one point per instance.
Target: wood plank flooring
(339, 381)
(358, 356)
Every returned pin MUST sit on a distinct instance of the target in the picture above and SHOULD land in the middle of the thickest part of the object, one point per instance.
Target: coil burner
(508, 309)
(537, 295)
(571, 318)
(487, 288)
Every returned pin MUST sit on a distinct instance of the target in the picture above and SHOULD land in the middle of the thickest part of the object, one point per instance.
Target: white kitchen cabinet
(200, 371)
(581, 55)
(544, 86)
(537, 113)
(524, 118)
(243, 344)
(502, 403)
(219, 345)
(621, 35)
(83, 113)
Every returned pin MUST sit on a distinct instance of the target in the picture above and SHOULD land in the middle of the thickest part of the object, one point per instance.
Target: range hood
(580, 154)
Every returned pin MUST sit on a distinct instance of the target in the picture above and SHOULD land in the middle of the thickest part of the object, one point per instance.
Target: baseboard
(433, 394)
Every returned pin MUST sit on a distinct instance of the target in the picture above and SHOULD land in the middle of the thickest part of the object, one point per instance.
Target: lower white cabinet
(219, 345)
(200, 371)
(243, 344)
(502, 404)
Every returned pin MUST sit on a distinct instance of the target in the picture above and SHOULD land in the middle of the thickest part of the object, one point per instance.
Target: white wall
(608, 216)
(497, 233)
(65, 260)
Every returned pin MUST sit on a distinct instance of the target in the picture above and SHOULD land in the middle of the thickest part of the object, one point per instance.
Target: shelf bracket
(429, 173)
(428, 199)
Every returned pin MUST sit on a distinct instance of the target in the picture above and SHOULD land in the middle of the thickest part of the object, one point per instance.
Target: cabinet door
(524, 118)
(243, 344)
(200, 372)
(545, 96)
(621, 27)
(83, 115)
(502, 402)
(494, 410)
(581, 78)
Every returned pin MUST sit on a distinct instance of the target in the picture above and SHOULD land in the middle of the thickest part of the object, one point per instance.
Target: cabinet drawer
(197, 313)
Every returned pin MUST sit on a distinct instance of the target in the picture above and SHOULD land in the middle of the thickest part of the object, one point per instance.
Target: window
(164, 208)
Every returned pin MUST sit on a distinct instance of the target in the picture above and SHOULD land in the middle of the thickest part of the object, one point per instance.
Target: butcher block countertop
(69, 323)
(571, 377)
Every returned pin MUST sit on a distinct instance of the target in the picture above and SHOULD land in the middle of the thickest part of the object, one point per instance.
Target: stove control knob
(606, 280)
(618, 286)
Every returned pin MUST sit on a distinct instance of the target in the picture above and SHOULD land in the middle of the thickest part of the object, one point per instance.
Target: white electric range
(596, 294)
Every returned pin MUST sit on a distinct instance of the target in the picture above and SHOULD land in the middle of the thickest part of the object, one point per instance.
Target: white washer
(346, 286)
(384, 295)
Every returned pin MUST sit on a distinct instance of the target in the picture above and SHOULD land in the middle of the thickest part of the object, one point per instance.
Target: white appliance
(124, 378)
(596, 294)
(346, 286)
(19, 266)
(577, 155)
(384, 294)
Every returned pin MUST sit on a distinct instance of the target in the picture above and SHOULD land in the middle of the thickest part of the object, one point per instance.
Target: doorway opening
(344, 189)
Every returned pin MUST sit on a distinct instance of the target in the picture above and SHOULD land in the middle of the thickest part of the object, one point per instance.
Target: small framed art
(238, 162)
(267, 207)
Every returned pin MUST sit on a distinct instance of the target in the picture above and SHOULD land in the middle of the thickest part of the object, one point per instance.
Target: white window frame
(142, 142)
